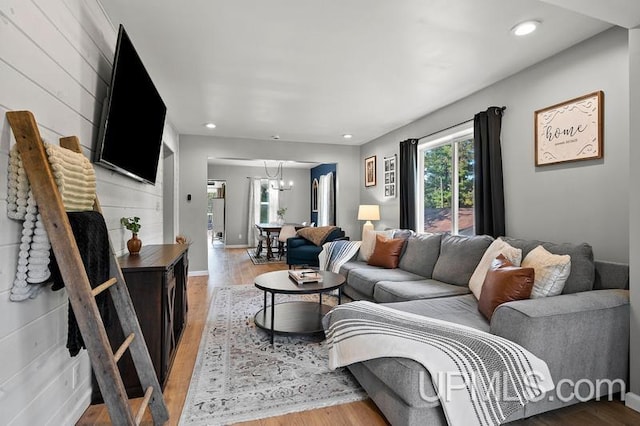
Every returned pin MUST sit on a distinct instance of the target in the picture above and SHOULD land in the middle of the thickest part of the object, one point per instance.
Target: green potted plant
(132, 224)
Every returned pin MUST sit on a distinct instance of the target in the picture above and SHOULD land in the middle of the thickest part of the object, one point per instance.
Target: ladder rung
(143, 405)
(123, 347)
(102, 287)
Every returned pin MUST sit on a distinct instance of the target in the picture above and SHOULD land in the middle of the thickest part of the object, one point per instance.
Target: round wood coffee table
(295, 317)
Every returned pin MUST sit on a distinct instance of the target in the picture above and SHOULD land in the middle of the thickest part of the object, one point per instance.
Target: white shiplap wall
(55, 60)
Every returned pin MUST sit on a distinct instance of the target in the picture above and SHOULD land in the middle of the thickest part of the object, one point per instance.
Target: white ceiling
(311, 71)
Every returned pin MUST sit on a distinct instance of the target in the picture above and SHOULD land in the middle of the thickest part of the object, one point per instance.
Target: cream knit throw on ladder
(76, 181)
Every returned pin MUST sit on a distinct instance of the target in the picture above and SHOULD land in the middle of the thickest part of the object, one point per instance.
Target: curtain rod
(455, 125)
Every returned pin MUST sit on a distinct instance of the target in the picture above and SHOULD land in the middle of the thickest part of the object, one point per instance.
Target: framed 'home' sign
(570, 131)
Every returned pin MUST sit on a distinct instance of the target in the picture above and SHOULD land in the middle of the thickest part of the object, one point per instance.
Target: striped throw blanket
(480, 378)
(336, 253)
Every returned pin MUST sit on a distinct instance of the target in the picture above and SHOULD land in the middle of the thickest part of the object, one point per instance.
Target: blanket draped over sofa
(480, 378)
(316, 235)
(337, 253)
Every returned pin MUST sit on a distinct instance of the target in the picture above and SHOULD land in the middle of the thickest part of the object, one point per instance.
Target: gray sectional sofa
(581, 334)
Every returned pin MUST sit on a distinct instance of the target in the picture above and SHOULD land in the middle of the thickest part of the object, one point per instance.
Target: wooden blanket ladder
(81, 295)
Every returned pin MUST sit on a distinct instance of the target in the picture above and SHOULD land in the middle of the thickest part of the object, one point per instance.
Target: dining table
(268, 230)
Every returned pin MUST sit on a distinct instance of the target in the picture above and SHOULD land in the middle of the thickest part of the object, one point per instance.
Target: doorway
(216, 212)
(168, 195)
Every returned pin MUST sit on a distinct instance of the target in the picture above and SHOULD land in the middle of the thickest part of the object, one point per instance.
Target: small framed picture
(390, 176)
(370, 171)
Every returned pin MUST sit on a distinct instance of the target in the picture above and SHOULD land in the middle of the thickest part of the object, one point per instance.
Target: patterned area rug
(239, 376)
(262, 259)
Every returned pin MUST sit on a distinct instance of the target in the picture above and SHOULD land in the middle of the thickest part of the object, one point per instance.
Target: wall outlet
(239, 236)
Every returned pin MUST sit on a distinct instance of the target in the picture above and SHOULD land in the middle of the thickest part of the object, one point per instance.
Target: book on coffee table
(302, 276)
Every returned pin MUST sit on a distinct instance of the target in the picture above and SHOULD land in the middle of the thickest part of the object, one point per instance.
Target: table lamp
(368, 212)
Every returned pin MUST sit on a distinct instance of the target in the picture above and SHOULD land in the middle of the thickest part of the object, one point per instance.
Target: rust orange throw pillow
(387, 252)
(504, 283)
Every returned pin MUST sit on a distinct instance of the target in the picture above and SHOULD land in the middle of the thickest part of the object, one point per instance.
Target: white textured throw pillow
(551, 271)
(514, 255)
(369, 243)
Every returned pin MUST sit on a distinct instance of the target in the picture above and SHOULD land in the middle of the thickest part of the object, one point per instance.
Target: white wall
(194, 151)
(56, 61)
(634, 211)
(586, 201)
(297, 200)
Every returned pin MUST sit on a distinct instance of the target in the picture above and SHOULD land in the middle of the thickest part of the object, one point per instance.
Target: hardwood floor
(233, 267)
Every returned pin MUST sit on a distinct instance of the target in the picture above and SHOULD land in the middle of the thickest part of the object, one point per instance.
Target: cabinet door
(180, 313)
(168, 335)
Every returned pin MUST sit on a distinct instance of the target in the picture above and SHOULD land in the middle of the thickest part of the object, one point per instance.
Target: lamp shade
(369, 212)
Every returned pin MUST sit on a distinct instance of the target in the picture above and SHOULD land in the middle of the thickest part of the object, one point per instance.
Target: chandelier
(277, 179)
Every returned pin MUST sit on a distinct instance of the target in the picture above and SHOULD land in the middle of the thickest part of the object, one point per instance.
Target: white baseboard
(632, 401)
(198, 273)
(237, 246)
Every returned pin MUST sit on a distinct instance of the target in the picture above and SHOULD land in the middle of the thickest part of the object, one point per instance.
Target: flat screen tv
(130, 136)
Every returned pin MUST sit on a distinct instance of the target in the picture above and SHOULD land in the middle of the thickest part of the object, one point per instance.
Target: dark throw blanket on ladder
(90, 232)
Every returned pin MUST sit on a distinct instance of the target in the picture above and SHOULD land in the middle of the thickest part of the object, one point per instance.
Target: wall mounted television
(130, 137)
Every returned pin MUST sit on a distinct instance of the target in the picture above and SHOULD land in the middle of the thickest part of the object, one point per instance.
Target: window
(266, 199)
(446, 189)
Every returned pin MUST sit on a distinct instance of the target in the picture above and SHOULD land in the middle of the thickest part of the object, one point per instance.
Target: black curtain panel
(489, 189)
(408, 174)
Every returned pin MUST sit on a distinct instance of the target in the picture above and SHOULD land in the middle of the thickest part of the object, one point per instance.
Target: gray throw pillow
(459, 257)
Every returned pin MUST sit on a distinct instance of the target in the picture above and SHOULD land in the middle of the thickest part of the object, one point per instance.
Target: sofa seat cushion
(364, 280)
(459, 257)
(421, 254)
(582, 275)
(352, 265)
(390, 291)
(458, 309)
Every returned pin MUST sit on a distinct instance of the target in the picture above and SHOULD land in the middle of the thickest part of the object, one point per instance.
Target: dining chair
(261, 241)
(286, 232)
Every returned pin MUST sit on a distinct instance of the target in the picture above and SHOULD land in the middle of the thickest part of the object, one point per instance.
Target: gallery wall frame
(390, 176)
(570, 131)
(370, 171)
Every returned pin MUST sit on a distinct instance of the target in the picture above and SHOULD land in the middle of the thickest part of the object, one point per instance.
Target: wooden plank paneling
(20, 93)
(43, 67)
(32, 398)
(98, 54)
(55, 60)
(19, 350)
(51, 39)
(16, 315)
(8, 266)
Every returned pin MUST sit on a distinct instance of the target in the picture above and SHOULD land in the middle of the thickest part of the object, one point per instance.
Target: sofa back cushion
(582, 275)
(421, 254)
(459, 257)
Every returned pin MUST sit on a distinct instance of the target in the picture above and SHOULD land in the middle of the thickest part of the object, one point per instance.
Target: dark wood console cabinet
(157, 282)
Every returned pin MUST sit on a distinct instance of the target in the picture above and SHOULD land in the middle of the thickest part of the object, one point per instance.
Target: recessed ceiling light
(347, 136)
(524, 28)
(210, 125)
(275, 137)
